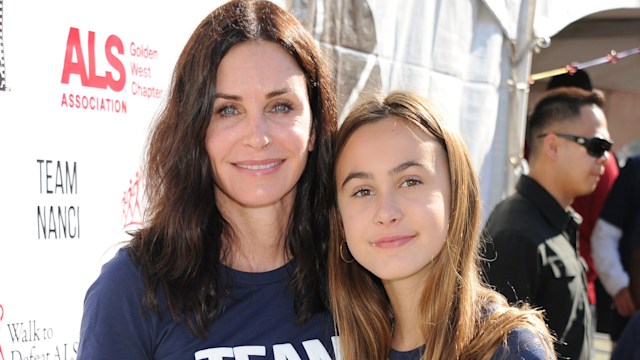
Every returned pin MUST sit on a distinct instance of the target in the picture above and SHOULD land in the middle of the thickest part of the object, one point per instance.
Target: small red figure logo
(132, 204)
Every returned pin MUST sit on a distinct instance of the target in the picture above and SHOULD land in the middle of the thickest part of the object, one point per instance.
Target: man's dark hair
(558, 105)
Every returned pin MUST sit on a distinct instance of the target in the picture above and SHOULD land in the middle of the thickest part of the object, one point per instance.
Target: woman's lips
(259, 165)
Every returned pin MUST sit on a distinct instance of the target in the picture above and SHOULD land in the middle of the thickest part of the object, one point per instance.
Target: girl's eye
(282, 108)
(363, 193)
(411, 182)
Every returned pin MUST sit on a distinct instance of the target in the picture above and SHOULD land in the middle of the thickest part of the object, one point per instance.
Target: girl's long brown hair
(180, 248)
(460, 316)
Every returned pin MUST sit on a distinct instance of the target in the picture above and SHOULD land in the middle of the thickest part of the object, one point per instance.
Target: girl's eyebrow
(356, 175)
(395, 170)
(405, 165)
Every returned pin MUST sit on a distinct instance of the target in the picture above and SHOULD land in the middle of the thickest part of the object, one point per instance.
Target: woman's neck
(257, 241)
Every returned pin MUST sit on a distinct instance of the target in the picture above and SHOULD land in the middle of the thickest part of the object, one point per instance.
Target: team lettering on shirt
(314, 350)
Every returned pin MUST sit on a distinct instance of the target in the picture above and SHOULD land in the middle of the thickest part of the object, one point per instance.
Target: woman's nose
(257, 132)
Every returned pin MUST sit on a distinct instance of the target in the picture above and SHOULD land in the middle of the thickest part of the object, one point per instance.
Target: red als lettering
(94, 80)
(71, 67)
(115, 42)
(89, 76)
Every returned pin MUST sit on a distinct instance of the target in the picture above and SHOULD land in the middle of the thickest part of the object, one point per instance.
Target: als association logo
(98, 63)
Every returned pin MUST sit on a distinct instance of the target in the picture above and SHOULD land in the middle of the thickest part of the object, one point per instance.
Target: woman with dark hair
(404, 269)
(230, 262)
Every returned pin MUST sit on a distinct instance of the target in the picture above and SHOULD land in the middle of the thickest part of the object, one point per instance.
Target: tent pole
(522, 54)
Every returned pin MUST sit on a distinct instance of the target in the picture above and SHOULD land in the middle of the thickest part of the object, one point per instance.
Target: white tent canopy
(549, 16)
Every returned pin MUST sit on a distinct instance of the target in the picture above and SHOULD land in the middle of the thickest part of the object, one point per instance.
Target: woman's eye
(411, 182)
(282, 108)
(227, 111)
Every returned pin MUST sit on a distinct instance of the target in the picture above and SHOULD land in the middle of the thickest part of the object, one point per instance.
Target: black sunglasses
(596, 147)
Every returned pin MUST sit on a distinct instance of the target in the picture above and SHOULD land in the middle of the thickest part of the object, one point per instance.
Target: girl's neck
(405, 298)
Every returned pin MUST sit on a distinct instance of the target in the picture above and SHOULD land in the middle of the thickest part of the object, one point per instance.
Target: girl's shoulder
(524, 343)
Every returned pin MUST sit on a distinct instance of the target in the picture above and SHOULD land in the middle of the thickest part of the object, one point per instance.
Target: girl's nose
(387, 212)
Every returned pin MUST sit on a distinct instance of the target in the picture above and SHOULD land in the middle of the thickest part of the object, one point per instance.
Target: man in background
(589, 207)
(533, 253)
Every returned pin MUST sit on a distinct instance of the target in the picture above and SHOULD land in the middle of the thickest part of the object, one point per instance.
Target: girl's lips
(389, 242)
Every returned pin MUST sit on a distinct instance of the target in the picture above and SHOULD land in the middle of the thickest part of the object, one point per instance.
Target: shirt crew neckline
(261, 278)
